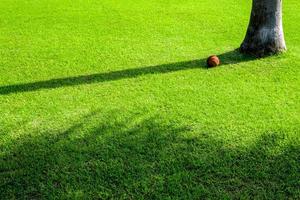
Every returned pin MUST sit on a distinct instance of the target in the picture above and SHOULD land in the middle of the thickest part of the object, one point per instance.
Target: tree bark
(265, 32)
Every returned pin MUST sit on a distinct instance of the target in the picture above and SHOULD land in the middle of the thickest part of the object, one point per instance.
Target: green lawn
(112, 100)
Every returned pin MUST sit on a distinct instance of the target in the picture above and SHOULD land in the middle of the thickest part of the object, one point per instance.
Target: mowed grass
(112, 100)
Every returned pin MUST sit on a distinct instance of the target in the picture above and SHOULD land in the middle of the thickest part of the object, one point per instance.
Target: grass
(112, 100)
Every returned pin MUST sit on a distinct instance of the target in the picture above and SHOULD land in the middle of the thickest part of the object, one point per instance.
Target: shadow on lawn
(231, 57)
(149, 159)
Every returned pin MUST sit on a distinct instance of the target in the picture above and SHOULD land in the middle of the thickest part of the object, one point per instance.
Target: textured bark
(265, 33)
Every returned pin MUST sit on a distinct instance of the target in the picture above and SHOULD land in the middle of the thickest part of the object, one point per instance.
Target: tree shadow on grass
(149, 159)
(231, 57)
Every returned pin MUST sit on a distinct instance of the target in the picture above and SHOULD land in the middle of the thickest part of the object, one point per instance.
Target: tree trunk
(265, 33)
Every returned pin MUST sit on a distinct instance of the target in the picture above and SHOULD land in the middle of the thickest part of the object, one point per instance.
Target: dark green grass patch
(151, 159)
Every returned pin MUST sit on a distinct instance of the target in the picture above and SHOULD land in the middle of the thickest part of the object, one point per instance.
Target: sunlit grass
(112, 99)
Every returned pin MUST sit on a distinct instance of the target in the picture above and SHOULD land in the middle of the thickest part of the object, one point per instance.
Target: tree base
(261, 50)
(264, 35)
